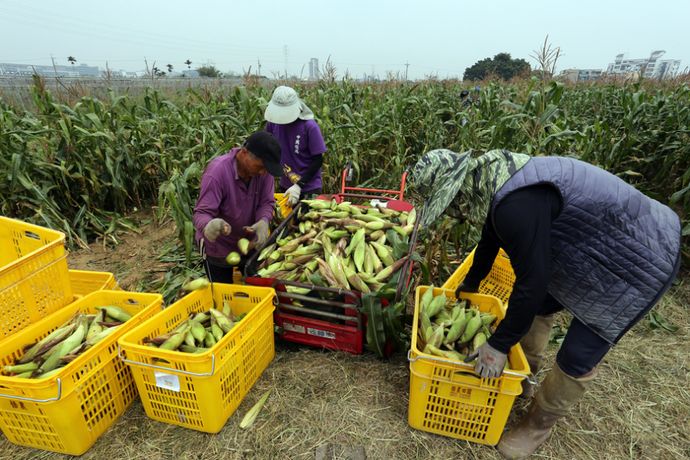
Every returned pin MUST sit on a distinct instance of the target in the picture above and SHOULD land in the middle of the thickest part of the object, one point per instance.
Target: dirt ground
(638, 408)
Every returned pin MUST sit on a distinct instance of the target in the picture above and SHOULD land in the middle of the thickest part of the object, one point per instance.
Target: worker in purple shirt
(301, 144)
(236, 201)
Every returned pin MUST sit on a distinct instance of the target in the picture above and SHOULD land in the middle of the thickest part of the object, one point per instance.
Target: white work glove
(215, 228)
(293, 194)
(490, 362)
(261, 230)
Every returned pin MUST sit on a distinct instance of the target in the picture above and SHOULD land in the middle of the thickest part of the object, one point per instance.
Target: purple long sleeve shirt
(223, 194)
(300, 141)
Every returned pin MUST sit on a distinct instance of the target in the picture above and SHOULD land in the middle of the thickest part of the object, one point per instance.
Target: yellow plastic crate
(69, 410)
(448, 398)
(201, 391)
(498, 283)
(85, 282)
(34, 281)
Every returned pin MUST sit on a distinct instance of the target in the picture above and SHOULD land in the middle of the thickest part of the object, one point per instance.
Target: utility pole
(258, 61)
(407, 64)
(285, 54)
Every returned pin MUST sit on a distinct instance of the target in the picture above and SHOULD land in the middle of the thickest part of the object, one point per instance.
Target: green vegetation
(79, 167)
(501, 66)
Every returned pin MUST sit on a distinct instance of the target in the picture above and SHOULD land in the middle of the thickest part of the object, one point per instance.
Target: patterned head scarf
(465, 182)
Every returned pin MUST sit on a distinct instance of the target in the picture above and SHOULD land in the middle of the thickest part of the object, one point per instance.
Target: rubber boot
(533, 344)
(558, 394)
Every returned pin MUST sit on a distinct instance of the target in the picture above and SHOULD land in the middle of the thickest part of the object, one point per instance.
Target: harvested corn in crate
(446, 396)
(200, 388)
(78, 387)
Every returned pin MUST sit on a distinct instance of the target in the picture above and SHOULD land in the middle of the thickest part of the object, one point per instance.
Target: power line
(76, 25)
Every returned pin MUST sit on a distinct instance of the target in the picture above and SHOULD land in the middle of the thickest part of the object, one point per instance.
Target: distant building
(81, 70)
(313, 69)
(651, 67)
(190, 73)
(577, 75)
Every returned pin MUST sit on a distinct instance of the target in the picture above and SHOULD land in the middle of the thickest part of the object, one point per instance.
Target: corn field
(81, 165)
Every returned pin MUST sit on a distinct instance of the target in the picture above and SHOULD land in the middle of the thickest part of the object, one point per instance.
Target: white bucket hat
(285, 107)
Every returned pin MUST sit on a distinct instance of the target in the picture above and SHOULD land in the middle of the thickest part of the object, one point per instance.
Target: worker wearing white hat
(302, 145)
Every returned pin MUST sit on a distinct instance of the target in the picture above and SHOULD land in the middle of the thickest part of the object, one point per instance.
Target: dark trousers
(217, 273)
(582, 349)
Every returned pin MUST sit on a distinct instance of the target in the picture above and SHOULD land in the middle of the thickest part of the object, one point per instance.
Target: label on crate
(294, 328)
(167, 381)
(320, 333)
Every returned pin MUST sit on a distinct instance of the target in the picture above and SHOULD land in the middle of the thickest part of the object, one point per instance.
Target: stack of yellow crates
(69, 408)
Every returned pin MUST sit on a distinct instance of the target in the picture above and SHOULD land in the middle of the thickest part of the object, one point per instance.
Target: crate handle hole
(242, 294)
(32, 235)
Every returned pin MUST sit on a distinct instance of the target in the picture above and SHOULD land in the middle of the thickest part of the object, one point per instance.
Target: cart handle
(346, 176)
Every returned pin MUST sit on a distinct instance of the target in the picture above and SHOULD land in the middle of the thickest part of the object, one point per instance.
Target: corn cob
(198, 283)
(20, 368)
(209, 340)
(251, 415)
(376, 262)
(478, 340)
(411, 217)
(65, 347)
(450, 354)
(384, 253)
(425, 325)
(326, 272)
(175, 340)
(488, 318)
(359, 254)
(436, 305)
(317, 204)
(233, 258)
(223, 321)
(426, 299)
(386, 273)
(457, 328)
(216, 331)
(358, 284)
(436, 337)
(116, 313)
(265, 252)
(48, 342)
(473, 325)
(375, 235)
(355, 241)
(189, 338)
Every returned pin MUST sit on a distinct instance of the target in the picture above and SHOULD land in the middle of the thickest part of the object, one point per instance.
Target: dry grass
(638, 408)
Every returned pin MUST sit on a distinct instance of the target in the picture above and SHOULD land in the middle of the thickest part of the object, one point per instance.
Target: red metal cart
(329, 317)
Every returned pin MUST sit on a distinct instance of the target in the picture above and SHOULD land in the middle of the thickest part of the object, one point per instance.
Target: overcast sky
(439, 38)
